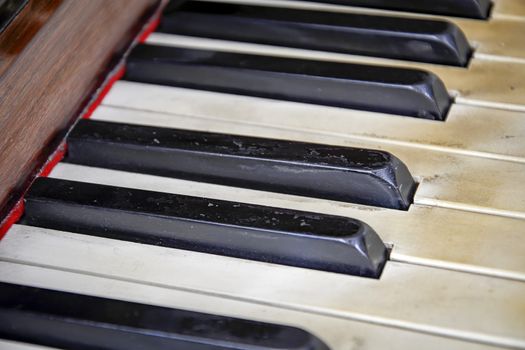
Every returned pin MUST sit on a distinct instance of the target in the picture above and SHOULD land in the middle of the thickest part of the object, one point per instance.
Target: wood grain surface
(24, 27)
(49, 68)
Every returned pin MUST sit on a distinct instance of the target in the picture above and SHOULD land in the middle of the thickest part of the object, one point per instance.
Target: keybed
(455, 275)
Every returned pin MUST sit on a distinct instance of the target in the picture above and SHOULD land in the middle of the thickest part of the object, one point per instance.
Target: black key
(280, 236)
(479, 9)
(80, 322)
(9, 9)
(339, 173)
(373, 88)
(400, 38)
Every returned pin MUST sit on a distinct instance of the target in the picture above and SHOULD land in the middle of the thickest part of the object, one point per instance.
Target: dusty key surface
(281, 236)
(338, 173)
(430, 236)
(450, 177)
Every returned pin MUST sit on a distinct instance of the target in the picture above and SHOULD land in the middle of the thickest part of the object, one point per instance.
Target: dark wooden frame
(53, 57)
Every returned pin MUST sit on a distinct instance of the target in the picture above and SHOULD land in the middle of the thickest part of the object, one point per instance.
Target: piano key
(445, 179)
(392, 37)
(496, 40)
(339, 173)
(12, 345)
(408, 92)
(508, 9)
(274, 235)
(502, 133)
(429, 236)
(337, 333)
(70, 320)
(494, 83)
(493, 40)
(458, 303)
(500, 9)
(478, 9)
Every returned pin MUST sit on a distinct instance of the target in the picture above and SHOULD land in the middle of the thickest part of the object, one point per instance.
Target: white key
(446, 179)
(468, 130)
(435, 301)
(512, 9)
(339, 334)
(497, 38)
(502, 9)
(12, 345)
(451, 239)
(488, 83)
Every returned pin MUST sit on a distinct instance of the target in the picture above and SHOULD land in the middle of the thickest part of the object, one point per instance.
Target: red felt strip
(12, 218)
(149, 29)
(117, 75)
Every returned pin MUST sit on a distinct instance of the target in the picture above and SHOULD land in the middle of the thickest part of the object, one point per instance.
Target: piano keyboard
(256, 185)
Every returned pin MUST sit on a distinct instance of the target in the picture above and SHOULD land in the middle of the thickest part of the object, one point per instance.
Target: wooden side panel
(24, 27)
(51, 79)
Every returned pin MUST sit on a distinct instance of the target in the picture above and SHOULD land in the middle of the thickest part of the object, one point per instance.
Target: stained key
(383, 36)
(74, 321)
(274, 235)
(401, 91)
(346, 174)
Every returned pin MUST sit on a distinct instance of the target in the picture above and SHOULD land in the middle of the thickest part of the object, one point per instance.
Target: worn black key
(339, 173)
(373, 88)
(392, 37)
(80, 322)
(479, 9)
(280, 236)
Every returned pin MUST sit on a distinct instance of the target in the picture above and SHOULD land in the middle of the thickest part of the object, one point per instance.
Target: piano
(249, 174)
